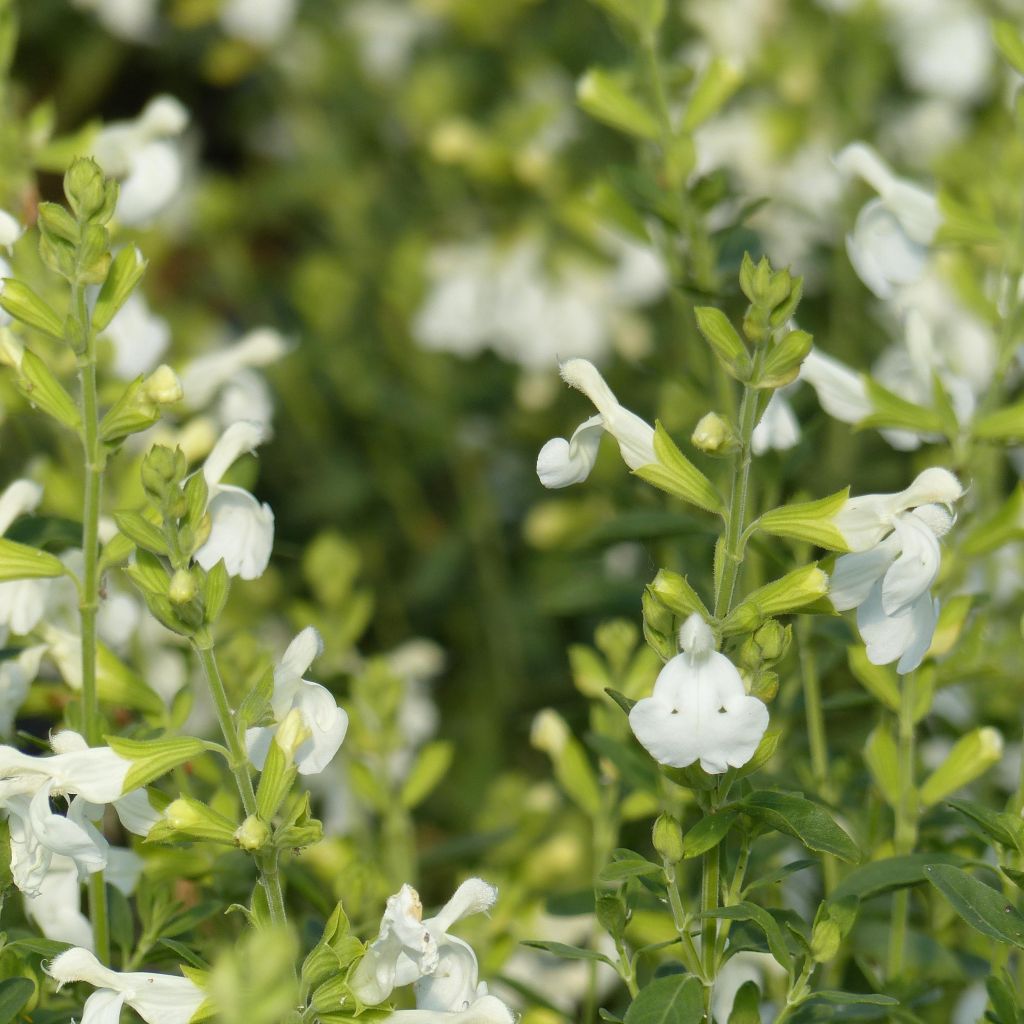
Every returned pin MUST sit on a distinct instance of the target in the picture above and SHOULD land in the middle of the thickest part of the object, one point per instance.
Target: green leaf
(796, 816)
(14, 995)
(882, 759)
(20, 562)
(881, 876)
(676, 474)
(758, 915)
(628, 867)
(1006, 526)
(566, 952)
(676, 999)
(605, 96)
(431, 766)
(851, 998)
(724, 340)
(712, 92)
(982, 907)
(1002, 425)
(1004, 828)
(42, 389)
(153, 758)
(746, 1007)
(809, 521)
(708, 832)
(624, 702)
(125, 272)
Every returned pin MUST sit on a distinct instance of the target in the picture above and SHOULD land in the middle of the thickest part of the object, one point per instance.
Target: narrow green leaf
(566, 952)
(14, 995)
(23, 304)
(126, 270)
(605, 96)
(1002, 425)
(982, 907)
(431, 766)
(675, 999)
(708, 832)
(794, 815)
(758, 915)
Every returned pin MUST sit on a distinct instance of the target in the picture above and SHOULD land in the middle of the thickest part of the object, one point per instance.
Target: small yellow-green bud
(714, 435)
(182, 588)
(86, 189)
(182, 815)
(252, 834)
(549, 732)
(162, 386)
(667, 837)
(772, 639)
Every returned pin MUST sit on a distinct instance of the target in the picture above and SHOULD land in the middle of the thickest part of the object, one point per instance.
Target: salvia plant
(770, 797)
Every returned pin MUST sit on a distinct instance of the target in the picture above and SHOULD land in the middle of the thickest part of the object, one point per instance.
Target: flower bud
(549, 732)
(252, 834)
(162, 386)
(611, 913)
(182, 588)
(825, 939)
(89, 194)
(772, 640)
(714, 435)
(667, 837)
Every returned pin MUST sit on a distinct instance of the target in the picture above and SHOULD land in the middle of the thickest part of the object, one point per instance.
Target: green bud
(55, 222)
(714, 435)
(764, 685)
(91, 197)
(772, 639)
(667, 837)
(163, 469)
(162, 386)
(186, 818)
(252, 834)
(825, 939)
(611, 913)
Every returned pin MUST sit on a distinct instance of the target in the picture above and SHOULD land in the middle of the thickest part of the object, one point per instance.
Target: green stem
(711, 862)
(682, 923)
(816, 733)
(267, 861)
(89, 593)
(905, 834)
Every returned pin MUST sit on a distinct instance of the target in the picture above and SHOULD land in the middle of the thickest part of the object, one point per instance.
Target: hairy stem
(905, 834)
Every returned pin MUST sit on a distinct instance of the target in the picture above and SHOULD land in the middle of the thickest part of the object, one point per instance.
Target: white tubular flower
(866, 520)
(139, 337)
(242, 530)
(320, 712)
(485, 1010)
(700, 709)
(56, 907)
(409, 949)
(840, 390)
(22, 602)
(205, 375)
(16, 675)
(156, 998)
(561, 462)
(141, 154)
(890, 240)
(896, 558)
(10, 230)
(778, 428)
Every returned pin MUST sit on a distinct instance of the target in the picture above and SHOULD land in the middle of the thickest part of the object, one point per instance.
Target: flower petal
(916, 568)
(841, 391)
(242, 534)
(473, 896)
(854, 575)
(328, 723)
(103, 1007)
(561, 463)
(239, 439)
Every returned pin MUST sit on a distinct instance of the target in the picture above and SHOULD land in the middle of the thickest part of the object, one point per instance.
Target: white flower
(259, 22)
(10, 230)
(156, 998)
(562, 462)
(700, 709)
(890, 240)
(778, 427)
(385, 34)
(139, 337)
(895, 560)
(205, 375)
(22, 602)
(320, 712)
(486, 1009)
(409, 949)
(16, 675)
(242, 530)
(56, 906)
(133, 20)
(142, 155)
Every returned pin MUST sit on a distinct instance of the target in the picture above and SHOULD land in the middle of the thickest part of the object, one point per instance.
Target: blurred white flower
(889, 244)
(143, 154)
(139, 337)
(444, 968)
(700, 709)
(133, 20)
(156, 998)
(561, 462)
(10, 230)
(320, 712)
(385, 34)
(895, 559)
(778, 428)
(262, 23)
(16, 675)
(22, 602)
(242, 530)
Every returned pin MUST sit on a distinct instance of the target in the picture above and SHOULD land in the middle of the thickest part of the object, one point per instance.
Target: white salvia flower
(409, 949)
(142, 155)
(56, 907)
(700, 709)
(22, 602)
(890, 240)
(205, 375)
(16, 675)
(320, 712)
(487, 1009)
(10, 230)
(242, 530)
(778, 427)
(563, 462)
(385, 34)
(840, 390)
(895, 561)
(139, 337)
(133, 20)
(261, 23)
(156, 998)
